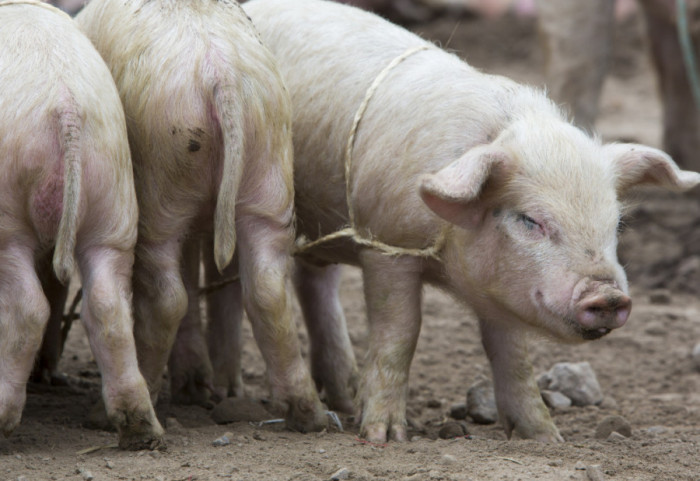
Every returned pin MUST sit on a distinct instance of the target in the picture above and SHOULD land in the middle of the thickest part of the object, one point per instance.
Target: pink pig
(209, 124)
(432, 171)
(67, 183)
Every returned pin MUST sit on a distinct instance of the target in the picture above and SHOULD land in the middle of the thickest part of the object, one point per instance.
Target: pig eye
(529, 222)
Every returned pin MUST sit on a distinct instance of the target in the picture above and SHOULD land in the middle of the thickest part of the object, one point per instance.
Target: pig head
(536, 215)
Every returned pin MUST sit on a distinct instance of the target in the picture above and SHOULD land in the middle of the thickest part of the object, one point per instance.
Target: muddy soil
(645, 369)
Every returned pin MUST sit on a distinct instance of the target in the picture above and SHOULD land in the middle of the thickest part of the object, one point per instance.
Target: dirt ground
(645, 369)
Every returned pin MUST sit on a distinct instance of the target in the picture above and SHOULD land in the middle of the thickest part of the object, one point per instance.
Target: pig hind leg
(264, 245)
(106, 314)
(333, 366)
(224, 322)
(24, 312)
(52, 344)
(189, 368)
(518, 398)
(160, 303)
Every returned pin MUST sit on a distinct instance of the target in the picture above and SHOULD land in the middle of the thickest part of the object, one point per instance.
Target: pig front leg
(189, 367)
(106, 314)
(265, 267)
(333, 366)
(393, 296)
(518, 398)
(24, 312)
(225, 317)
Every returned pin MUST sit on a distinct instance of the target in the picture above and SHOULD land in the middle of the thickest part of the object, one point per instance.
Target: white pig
(520, 207)
(209, 126)
(66, 182)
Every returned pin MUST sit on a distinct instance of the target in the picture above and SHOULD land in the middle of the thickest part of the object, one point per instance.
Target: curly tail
(64, 252)
(229, 111)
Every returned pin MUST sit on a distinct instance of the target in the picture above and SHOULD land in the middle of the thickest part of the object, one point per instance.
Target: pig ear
(455, 192)
(638, 165)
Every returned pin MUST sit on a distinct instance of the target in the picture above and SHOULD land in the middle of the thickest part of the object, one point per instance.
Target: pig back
(425, 113)
(168, 60)
(53, 82)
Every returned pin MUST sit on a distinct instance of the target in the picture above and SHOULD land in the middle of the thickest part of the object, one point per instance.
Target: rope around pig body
(303, 244)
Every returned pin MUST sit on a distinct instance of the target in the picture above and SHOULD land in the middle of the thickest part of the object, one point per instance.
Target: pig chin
(562, 323)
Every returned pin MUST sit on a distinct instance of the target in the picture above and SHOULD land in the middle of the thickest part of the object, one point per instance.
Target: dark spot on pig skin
(496, 212)
(194, 146)
(196, 132)
(590, 253)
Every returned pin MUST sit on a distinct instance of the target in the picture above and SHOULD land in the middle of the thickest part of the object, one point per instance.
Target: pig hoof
(550, 438)
(375, 433)
(139, 430)
(306, 416)
(8, 428)
(378, 433)
(548, 434)
(139, 441)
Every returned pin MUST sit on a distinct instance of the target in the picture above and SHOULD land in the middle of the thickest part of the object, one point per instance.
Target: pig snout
(600, 308)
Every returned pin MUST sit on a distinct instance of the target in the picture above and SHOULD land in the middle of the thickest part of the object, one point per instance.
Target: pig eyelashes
(530, 224)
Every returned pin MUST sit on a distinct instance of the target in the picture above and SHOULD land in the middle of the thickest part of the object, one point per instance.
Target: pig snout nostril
(604, 312)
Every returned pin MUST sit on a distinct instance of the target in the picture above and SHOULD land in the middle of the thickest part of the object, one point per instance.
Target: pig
(209, 126)
(67, 197)
(577, 39)
(424, 169)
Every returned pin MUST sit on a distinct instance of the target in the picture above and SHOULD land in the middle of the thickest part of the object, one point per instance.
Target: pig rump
(67, 184)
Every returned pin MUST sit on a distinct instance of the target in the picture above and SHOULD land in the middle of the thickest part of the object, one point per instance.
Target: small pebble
(458, 411)
(258, 437)
(613, 424)
(109, 464)
(556, 463)
(322, 451)
(448, 459)
(22, 478)
(608, 402)
(615, 437)
(417, 477)
(224, 440)
(87, 475)
(452, 430)
(481, 403)
(556, 400)
(342, 473)
(594, 473)
(654, 430)
(696, 357)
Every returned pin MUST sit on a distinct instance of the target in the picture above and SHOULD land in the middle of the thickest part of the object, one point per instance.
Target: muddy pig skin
(67, 183)
(209, 124)
(529, 206)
